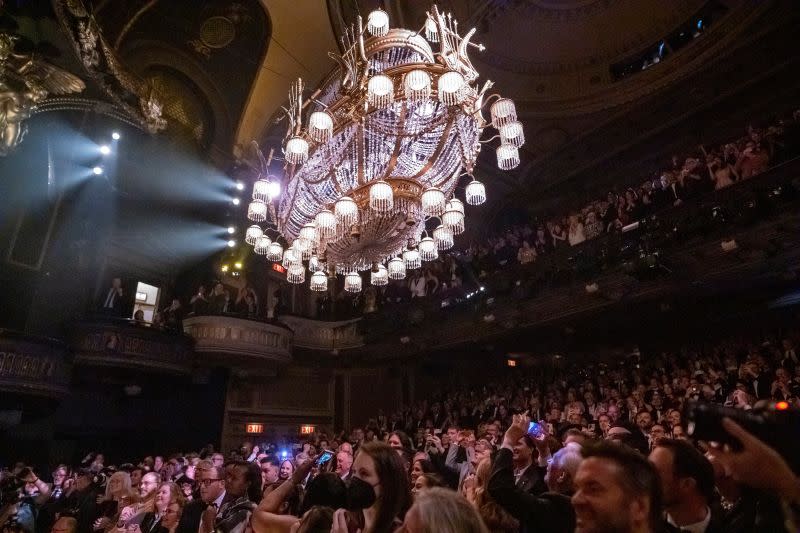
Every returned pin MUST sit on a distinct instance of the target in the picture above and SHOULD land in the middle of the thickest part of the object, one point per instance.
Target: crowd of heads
(603, 445)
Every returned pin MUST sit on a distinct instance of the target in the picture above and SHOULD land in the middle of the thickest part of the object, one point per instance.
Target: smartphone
(591, 427)
(324, 457)
(535, 430)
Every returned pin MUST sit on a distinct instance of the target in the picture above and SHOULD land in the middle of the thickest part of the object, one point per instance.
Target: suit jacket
(193, 512)
(532, 480)
(549, 512)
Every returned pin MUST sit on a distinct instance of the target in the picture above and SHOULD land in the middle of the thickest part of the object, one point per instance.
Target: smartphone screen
(326, 456)
(437, 431)
(535, 430)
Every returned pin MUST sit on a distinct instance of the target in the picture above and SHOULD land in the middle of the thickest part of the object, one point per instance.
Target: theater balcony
(105, 342)
(32, 366)
(232, 341)
(325, 335)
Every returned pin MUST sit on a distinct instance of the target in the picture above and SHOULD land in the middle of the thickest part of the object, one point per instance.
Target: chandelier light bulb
(411, 259)
(427, 249)
(431, 30)
(352, 282)
(453, 219)
(507, 156)
(381, 277)
(275, 252)
(378, 23)
(273, 188)
(452, 88)
(261, 190)
(381, 197)
(397, 268)
(296, 274)
(475, 193)
(320, 126)
(432, 202)
(290, 257)
(252, 235)
(443, 237)
(257, 211)
(346, 212)
(319, 282)
(296, 150)
(512, 133)
(380, 90)
(262, 244)
(417, 85)
(326, 224)
(309, 232)
(455, 204)
(314, 264)
(503, 112)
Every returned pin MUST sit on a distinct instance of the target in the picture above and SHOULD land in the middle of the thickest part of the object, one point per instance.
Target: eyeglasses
(207, 482)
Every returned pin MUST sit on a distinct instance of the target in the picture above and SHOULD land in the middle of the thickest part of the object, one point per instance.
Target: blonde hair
(495, 517)
(126, 489)
(445, 511)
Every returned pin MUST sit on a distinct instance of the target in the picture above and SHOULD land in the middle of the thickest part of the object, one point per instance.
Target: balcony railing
(32, 365)
(323, 335)
(120, 343)
(239, 339)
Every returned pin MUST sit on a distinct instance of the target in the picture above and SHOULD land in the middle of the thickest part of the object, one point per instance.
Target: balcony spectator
(114, 299)
(199, 301)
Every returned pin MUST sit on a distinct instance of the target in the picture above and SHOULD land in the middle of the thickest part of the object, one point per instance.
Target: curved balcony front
(323, 335)
(121, 343)
(31, 365)
(232, 340)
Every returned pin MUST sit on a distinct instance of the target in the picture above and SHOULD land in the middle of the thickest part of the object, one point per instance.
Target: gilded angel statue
(26, 80)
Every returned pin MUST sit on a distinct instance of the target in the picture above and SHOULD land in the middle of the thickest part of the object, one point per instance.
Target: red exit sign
(307, 430)
(277, 267)
(255, 428)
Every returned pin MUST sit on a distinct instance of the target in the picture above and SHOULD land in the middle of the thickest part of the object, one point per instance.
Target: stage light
(240, 185)
(231, 230)
(231, 243)
(97, 171)
(237, 266)
(236, 201)
(105, 149)
(115, 136)
(224, 268)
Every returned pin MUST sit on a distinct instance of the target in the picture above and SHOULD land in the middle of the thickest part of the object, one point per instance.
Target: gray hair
(445, 511)
(568, 459)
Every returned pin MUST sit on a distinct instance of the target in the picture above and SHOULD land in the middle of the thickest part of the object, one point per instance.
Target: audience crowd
(598, 446)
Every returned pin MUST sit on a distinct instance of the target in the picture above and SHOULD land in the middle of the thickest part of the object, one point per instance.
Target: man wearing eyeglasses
(199, 515)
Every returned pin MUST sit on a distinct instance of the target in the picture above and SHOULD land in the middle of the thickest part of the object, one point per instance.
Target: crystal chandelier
(378, 150)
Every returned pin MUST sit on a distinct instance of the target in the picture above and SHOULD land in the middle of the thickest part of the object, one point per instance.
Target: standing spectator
(113, 302)
(576, 234)
(199, 301)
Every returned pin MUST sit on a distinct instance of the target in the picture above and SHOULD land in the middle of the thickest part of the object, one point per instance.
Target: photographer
(22, 495)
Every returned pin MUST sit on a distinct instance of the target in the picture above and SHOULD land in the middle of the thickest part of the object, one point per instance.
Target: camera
(776, 424)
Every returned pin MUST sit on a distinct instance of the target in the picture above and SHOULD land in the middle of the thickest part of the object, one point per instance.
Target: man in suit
(687, 484)
(200, 515)
(548, 512)
(527, 475)
(344, 462)
(113, 300)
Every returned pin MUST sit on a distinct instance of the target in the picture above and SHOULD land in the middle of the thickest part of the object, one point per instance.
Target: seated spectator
(435, 510)
(576, 233)
(526, 253)
(494, 516)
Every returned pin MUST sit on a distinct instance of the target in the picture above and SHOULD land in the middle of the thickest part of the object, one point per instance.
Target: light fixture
(257, 211)
(503, 111)
(379, 277)
(427, 249)
(417, 85)
(235, 201)
(411, 259)
(273, 189)
(513, 134)
(105, 149)
(352, 282)
(320, 126)
(507, 156)
(224, 268)
(291, 256)
(396, 268)
(231, 243)
(381, 197)
(115, 136)
(239, 186)
(275, 251)
(378, 23)
(296, 274)
(314, 264)
(262, 244)
(475, 193)
(380, 90)
(261, 190)
(319, 282)
(433, 202)
(97, 171)
(392, 132)
(237, 265)
(252, 234)
(326, 224)
(443, 236)
(451, 88)
(231, 230)
(296, 150)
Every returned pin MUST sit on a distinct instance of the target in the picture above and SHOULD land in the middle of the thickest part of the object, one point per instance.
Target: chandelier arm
(397, 143)
(496, 136)
(440, 146)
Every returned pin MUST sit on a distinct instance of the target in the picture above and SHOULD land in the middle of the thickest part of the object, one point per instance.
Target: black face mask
(360, 494)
